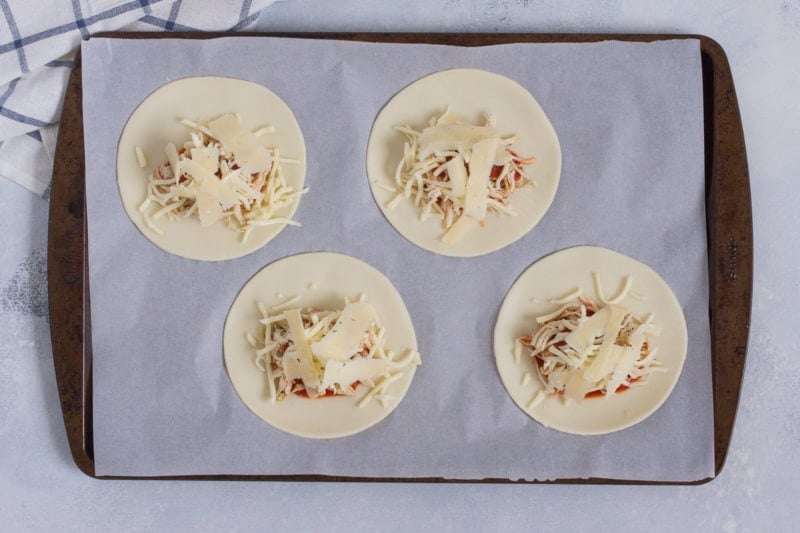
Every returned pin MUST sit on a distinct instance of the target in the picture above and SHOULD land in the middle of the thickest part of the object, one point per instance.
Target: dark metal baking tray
(728, 219)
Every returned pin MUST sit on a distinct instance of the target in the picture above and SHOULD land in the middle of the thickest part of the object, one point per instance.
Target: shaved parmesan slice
(207, 157)
(582, 339)
(304, 367)
(346, 338)
(294, 367)
(345, 373)
(480, 167)
(600, 368)
(447, 137)
(459, 228)
(197, 171)
(249, 153)
(222, 191)
(577, 386)
(624, 367)
(457, 173)
(616, 354)
(208, 208)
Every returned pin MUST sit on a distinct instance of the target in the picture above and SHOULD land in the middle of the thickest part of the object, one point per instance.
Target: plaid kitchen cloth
(38, 39)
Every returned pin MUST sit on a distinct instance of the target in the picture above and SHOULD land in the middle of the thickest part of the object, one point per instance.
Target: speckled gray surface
(41, 490)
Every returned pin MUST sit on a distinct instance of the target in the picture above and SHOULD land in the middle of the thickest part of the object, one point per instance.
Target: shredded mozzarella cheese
(140, 157)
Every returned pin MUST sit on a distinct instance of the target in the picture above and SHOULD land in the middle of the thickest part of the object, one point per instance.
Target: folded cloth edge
(31, 168)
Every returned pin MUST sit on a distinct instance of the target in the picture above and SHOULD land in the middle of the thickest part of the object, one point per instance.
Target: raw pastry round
(157, 121)
(322, 280)
(556, 275)
(470, 93)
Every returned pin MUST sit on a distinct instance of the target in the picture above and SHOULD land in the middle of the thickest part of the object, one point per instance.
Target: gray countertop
(41, 489)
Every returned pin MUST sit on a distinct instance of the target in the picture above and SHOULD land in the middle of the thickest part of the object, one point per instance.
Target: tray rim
(729, 245)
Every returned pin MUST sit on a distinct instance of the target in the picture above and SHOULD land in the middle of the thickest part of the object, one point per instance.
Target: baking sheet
(629, 118)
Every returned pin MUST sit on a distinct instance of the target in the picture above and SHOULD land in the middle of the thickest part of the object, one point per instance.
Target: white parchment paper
(629, 119)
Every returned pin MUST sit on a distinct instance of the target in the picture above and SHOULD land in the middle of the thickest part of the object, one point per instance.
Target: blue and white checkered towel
(38, 39)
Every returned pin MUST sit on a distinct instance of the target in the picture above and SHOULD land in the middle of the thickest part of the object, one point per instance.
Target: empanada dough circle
(156, 122)
(470, 93)
(556, 275)
(322, 280)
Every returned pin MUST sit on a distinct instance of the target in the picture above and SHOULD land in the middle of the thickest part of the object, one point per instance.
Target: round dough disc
(470, 93)
(322, 280)
(156, 122)
(553, 277)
